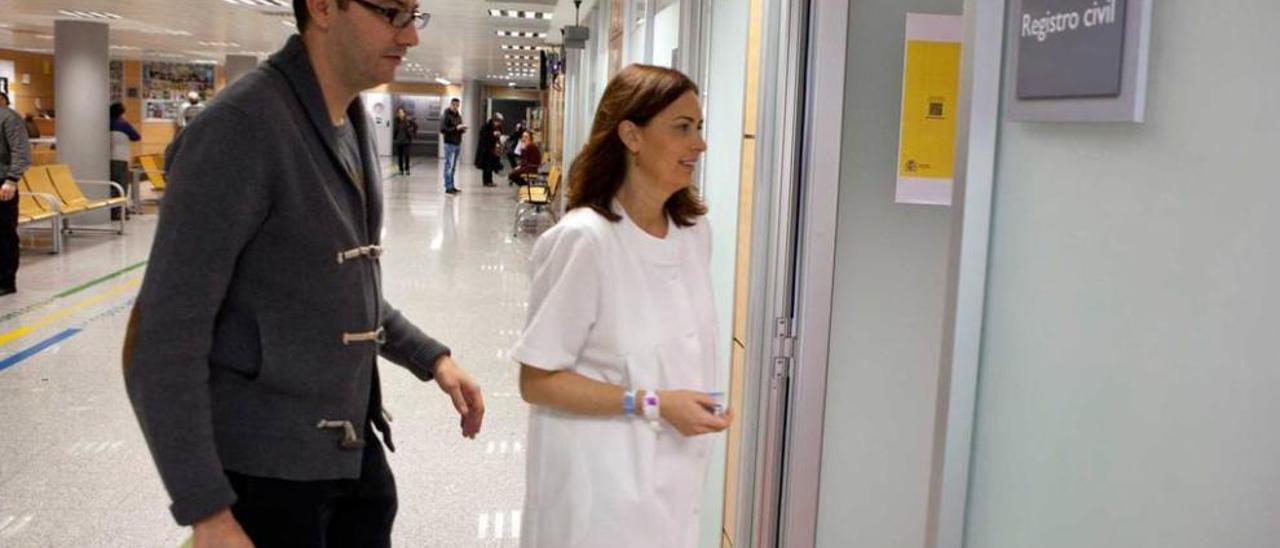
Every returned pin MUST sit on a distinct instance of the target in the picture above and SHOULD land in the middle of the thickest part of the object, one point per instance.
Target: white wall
(7, 71)
(1130, 380)
(887, 308)
(666, 34)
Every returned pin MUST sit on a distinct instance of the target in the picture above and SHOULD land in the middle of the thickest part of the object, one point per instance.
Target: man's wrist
(443, 360)
(214, 520)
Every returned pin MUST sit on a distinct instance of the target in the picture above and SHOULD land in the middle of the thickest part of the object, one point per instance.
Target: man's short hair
(303, 16)
(6, 97)
(455, 100)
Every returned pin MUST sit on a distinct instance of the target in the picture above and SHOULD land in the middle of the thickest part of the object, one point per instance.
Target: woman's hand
(690, 412)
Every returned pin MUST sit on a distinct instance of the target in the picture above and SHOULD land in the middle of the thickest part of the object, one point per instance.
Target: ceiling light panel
(167, 32)
(220, 44)
(521, 34)
(521, 14)
(99, 15)
(262, 3)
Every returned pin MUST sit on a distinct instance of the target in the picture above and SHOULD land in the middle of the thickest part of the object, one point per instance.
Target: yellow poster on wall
(930, 85)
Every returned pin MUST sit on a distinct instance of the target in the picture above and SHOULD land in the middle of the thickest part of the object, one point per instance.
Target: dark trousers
(492, 164)
(9, 244)
(119, 174)
(402, 157)
(320, 514)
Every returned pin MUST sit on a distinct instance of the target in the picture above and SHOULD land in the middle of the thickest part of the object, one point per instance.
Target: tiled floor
(74, 470)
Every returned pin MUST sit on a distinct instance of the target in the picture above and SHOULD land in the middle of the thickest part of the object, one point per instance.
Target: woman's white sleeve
(563, 299)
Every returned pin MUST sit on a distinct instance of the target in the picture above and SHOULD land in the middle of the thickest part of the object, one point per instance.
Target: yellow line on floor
(63, 313)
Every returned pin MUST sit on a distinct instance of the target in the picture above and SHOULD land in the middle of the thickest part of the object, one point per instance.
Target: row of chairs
(51, 194)
(536, 196)
(151, 166)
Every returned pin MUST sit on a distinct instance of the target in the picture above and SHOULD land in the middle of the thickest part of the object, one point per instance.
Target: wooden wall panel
(742, 282)
(39, 67)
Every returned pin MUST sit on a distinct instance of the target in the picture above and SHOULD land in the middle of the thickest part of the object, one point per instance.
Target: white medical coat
(617, 305)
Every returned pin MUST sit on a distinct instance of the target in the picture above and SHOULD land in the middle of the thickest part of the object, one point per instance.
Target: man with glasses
(250, 357)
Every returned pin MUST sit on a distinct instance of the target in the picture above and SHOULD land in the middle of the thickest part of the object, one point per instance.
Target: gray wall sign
(1070, 48)
(1078, 60)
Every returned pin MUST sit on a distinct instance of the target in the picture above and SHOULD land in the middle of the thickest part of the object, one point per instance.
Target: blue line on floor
(38, 348)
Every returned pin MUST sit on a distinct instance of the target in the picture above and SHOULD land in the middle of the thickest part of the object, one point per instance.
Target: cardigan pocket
(237, 346)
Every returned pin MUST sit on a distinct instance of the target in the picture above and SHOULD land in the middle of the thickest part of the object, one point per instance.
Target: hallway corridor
(74, 470)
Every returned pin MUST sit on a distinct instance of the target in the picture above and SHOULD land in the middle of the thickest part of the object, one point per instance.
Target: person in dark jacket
(452, 129)
(251, 358)
(403, 132)
(122, 134)
(489, 149)
(15, 158)
(530, 159)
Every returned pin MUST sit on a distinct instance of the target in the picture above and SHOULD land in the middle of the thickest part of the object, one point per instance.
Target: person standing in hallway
(122, 134)
(618, 351)
(452, 129)
(15, 158)
(251, 357)
(189, 110)
(403, 132)
(489, 149)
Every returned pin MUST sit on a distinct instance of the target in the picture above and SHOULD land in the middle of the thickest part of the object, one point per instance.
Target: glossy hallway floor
(74, 470)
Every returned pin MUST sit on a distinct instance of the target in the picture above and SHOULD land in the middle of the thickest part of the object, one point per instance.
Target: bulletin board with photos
(117, 81)
(165, 87)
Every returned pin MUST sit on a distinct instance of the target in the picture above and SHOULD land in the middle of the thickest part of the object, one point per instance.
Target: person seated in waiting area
(530, 159)
(33, 130)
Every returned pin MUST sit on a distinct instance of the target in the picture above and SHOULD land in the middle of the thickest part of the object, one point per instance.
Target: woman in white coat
(618, 352)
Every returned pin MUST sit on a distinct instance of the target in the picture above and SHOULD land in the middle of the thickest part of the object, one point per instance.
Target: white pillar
(81, 81)
(575, 132)
(473, 114)
(239, 65)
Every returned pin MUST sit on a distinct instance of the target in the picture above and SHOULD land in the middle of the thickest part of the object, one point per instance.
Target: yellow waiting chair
(153, 168)
(39, 182)
(536, 197)
(67, 188)
(37, 207)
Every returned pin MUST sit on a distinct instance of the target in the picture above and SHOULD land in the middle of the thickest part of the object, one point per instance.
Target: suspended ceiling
(461, 43)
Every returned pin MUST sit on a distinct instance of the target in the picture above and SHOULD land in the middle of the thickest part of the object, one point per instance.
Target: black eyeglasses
(398, 18)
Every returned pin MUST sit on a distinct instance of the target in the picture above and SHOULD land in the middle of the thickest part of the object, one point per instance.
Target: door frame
(977, 143)
(793, 266)
(791, 269)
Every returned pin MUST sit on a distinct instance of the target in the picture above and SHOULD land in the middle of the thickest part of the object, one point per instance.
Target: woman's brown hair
(636, 94)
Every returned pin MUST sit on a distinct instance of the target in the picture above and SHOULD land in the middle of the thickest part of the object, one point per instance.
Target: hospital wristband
(629, 402)
(651, 405)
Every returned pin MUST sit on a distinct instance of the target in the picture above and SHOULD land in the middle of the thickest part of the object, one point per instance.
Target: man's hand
(464, 392)
(7, 191)
(220, 530)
